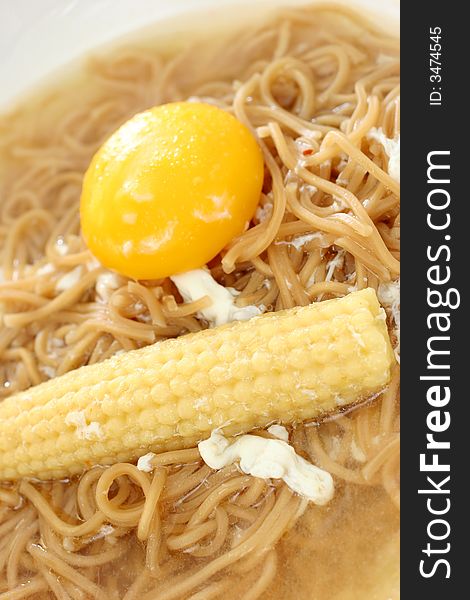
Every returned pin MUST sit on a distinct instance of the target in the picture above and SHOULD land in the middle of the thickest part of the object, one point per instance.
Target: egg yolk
(169, 189)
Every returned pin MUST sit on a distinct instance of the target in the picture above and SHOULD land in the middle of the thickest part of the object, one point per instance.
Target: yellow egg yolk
(170, 189)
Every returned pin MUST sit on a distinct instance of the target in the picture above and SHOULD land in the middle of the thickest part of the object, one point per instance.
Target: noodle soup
(319, 88)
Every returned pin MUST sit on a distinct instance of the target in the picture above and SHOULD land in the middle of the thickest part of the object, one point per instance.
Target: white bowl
(39, 36)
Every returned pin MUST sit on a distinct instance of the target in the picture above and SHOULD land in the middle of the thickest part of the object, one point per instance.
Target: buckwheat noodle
(315, 86)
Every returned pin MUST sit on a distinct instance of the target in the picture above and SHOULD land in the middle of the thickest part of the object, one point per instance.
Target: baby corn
(284, 367)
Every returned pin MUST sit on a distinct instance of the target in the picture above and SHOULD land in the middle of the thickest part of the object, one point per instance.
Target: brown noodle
(310, 85)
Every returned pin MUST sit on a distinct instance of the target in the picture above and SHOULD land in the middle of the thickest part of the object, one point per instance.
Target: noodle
(310, 85)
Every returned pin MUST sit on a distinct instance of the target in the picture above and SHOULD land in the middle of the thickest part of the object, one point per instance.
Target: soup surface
(319, 89)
